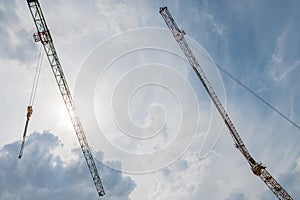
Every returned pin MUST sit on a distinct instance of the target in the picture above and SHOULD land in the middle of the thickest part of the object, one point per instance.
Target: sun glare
(64, 120)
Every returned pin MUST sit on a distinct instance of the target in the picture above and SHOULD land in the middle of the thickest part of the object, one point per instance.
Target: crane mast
(257, 167)
(43, 35)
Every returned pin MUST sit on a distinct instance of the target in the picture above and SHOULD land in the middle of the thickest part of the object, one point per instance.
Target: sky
(152, 129)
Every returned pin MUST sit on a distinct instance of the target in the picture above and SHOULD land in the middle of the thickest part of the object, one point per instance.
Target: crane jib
(257, 167)
(43, 35)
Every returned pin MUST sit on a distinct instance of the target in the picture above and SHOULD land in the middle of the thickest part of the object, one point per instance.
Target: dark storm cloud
(43, 175)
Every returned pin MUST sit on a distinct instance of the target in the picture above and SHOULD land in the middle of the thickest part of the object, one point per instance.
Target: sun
(64, 120)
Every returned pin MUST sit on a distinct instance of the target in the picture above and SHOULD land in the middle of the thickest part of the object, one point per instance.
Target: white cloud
(236, 195)
(282, 63)
(179, 181)
(14, 38)
(220, 29)
(40, 174)
(207, 21)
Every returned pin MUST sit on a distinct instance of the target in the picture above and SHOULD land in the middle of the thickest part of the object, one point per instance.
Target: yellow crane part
(29, 113)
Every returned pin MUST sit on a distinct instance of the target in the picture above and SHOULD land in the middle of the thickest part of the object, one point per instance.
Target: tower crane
(257, 168)
(43, 35)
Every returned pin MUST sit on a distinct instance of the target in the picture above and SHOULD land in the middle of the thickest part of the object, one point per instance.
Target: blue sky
(256, 41)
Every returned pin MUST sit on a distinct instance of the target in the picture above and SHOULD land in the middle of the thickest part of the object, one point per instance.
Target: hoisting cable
(32, 96)
(258, 97)
(255, 94)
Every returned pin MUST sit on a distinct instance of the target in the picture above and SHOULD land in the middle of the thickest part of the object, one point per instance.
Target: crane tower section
(257, 167)
(43, 35)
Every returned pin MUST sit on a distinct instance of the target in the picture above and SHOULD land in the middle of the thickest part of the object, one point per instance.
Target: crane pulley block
(29, 111)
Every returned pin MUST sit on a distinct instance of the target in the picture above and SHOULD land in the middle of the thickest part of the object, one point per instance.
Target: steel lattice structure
(43, 35)
(257, 167)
